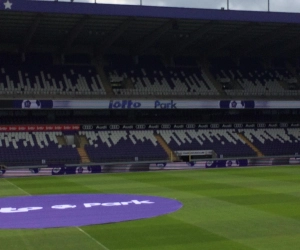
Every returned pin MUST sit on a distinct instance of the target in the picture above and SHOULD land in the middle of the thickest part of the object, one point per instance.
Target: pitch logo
(48, 211)
(69, 206)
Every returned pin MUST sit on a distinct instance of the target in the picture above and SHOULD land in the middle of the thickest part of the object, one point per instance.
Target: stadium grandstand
(102, 86)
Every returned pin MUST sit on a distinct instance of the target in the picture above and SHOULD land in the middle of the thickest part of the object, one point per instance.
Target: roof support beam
(30, 33)
(152, 37)
(77, 28)
(110, 39)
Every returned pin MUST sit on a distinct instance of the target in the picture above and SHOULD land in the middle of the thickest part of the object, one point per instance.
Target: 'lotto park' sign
(127, 104)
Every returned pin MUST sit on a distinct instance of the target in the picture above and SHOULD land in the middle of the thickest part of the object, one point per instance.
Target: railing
(15, 171)
(253, 5)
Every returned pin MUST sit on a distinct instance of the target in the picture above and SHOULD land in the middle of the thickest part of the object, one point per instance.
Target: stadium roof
(63, 27)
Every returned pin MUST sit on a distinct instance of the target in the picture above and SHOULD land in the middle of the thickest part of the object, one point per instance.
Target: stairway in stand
(165, 146)
(61, 140)
(81, 151)
(83, 155)
(251, 145)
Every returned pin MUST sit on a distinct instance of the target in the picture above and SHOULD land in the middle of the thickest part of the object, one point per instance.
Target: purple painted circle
(69, 210)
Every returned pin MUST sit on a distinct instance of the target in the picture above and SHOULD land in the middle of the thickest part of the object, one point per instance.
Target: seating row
(136, 145)
(53, 79)
(149, 77)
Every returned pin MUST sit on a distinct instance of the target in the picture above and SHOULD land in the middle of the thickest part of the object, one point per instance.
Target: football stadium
(135, 126)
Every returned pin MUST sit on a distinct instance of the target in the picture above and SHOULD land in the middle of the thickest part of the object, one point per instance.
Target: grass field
(238, 208)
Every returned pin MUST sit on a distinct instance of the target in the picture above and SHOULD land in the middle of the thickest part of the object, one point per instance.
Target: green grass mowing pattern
(238, 208)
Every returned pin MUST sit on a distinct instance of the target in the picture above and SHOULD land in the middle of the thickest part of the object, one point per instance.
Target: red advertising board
(29, 128)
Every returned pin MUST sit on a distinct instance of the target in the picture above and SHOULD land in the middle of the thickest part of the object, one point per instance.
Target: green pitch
(240, 208)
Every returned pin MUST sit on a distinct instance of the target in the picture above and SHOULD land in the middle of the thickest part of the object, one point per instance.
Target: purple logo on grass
(80, 209)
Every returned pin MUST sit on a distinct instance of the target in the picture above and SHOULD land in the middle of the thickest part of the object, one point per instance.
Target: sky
(256, 5)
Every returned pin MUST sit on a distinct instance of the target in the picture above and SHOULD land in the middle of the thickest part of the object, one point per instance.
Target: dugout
(194, 155)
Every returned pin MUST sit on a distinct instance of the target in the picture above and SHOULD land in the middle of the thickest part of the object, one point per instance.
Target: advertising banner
(90, 127)
(186, 126)
(225, 163)
(125, 104)
(31, 128)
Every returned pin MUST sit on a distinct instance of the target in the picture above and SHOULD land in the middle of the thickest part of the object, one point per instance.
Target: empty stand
(36, 148)
(123, 146)
(151, 77)
(224, 142)
(250, 77)
(34, 78)
(227, 142)
(274, 141)
(146, 76)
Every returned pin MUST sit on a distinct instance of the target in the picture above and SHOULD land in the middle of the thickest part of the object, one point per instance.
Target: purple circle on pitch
(71, 210)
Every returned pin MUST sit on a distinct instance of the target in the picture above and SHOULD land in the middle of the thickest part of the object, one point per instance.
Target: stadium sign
(249, 125)
(191, 126)
(261, 125)
(165, 105)
(89, 127)
(147, 104)
(295, 125)
(124, 104)
(187, 126)
(273, 125)
(50, 127)
(48, 211)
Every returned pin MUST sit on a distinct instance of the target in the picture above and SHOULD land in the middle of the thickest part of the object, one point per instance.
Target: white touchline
(16, 186)
(92, 238)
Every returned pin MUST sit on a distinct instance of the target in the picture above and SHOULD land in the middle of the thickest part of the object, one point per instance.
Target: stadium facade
(99, 85)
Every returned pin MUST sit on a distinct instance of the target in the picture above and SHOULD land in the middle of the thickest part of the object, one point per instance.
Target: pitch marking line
(16, 186)
(92, 238)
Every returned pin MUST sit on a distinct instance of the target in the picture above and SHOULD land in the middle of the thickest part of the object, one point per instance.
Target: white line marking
(99, 243)
(16, 186)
